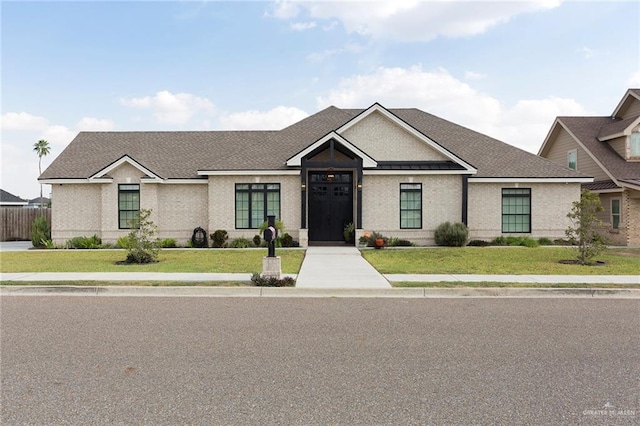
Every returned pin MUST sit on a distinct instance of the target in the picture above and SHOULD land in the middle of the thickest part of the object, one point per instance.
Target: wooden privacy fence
(16, 222)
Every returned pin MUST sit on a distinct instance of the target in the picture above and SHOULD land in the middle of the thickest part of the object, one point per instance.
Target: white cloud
(588, 53)
(414, 20)
(471, 75)
(524, 125)
(321, 56)
(283, 9)
(169, 108)
(274, 119)
(303, 26)
(22, 121)
(94, 124)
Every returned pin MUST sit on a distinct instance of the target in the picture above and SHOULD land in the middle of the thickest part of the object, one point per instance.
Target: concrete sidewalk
(319, 277)
(338, 267)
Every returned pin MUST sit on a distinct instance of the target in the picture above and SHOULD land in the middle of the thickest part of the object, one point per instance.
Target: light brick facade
(550, 204)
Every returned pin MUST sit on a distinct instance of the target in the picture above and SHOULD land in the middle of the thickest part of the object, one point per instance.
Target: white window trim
(629, 156)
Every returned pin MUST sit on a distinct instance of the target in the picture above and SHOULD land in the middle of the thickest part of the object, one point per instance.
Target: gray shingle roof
(587, 129)
(179, 155)
(7, 197)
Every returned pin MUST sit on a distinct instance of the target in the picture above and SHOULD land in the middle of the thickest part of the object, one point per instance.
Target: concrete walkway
(338, 267)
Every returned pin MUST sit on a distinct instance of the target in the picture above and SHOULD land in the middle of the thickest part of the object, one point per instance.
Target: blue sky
(506, 69)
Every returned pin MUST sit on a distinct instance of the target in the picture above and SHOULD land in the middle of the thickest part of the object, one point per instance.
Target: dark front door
(330, 205)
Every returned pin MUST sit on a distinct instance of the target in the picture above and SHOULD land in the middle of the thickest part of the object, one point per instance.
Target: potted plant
(349, 232)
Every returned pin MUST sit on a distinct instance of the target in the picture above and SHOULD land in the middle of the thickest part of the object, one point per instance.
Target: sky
(503, 68)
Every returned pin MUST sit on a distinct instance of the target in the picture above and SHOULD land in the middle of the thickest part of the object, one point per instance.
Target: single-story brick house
(607, 148)
(400, 172)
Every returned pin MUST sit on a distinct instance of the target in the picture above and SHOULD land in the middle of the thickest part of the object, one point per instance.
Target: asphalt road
(106, 360)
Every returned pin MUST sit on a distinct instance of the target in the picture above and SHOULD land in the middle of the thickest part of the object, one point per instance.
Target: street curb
(292, 292)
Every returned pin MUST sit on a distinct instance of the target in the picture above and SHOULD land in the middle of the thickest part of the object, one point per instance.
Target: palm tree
(41, 148)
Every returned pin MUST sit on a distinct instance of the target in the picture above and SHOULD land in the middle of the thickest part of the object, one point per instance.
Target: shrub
(544, 241)
(478, 243)
(40, 232)
(499, 241)
(93, 242)
(287, 241)
(142, 247)
(257, 240)
(123, 242)
(261, 281)
(168, 243)
(219, 238)
(241, 243)
(584, 225)
(451, 235)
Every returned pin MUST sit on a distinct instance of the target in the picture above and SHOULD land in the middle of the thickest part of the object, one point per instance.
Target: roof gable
(125, 159)
(629, 100)
(296, 160)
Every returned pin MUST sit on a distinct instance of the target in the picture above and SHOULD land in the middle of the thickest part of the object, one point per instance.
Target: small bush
(521, 241)
(93, 242)
(241, 243)
(287, 241)
(257, 240)
(143, 247)
(261, 281)
(219, 238)
(478, 243)
(545, 241)
(123, 242)
(451, 235)
(499, 241)
(168, 243)
(40, 232)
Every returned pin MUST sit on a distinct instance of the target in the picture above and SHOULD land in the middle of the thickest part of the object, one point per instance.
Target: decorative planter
(379, 243)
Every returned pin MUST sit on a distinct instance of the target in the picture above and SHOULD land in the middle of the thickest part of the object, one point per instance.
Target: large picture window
(516, 210)
(128, 206)
(256, 201)
(410, 206)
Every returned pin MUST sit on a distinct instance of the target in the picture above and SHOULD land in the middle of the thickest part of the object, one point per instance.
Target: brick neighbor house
(607, 148)
(400, 172)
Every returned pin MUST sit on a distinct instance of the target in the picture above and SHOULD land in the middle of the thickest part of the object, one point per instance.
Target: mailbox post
(271, 266)
(270, 235)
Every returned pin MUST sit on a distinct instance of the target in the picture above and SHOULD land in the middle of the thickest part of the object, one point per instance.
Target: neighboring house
(39, 202)
(607, 148)
(9, 200)
(400, 172)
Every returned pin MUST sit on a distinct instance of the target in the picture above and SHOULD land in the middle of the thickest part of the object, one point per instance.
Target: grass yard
(212, 261)
(457, 284)
(499, 260)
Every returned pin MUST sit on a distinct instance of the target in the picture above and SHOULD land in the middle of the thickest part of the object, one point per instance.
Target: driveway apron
(338, 267)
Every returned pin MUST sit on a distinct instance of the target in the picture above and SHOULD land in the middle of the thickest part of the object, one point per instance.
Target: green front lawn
(223, 261)
(499, 261)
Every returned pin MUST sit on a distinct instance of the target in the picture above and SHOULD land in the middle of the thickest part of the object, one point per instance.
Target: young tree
(142, 247)
(41, 148)
(584, 225)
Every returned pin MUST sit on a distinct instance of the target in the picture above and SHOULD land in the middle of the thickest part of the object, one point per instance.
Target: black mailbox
(270, 234)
